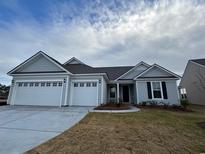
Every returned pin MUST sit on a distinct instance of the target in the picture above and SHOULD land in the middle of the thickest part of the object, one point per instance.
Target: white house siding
(39, 64)
(36, 78)
(171, 92)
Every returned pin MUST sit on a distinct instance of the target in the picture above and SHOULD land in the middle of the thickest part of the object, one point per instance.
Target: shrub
(184, 103)
(153, 103)
(174, 106)
(165, 105)
(118, 104)
(143, 103)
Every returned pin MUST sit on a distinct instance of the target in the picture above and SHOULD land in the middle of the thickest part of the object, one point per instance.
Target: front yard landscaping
(114, 106)
(148, 131)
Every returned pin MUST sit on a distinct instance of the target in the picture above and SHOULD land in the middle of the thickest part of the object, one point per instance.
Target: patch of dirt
(169, 108)
(201, 124)
(112, 106)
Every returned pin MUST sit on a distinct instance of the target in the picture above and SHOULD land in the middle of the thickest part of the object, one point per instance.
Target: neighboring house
(193, 81)
(41, 80)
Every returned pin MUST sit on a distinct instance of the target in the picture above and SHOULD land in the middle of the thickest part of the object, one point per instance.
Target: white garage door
(38, 93)
(85, 94)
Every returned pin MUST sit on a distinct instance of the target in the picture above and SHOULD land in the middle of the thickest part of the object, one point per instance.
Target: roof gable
(156, 71)
(137, 69)
(73, 61)
(39, 63)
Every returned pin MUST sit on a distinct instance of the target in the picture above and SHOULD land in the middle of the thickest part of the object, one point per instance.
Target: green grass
(148, 131)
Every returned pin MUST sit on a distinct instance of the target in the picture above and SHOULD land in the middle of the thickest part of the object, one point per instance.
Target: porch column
(118, 93)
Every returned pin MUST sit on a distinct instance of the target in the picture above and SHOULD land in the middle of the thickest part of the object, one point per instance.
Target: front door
(125, 93)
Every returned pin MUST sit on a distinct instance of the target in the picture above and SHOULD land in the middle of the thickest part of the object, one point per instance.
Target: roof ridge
(112, 66)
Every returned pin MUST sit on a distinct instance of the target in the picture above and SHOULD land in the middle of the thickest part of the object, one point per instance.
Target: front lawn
(148, 131)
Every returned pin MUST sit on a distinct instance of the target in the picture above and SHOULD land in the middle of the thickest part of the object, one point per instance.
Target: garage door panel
(46, 95)
(85, 94)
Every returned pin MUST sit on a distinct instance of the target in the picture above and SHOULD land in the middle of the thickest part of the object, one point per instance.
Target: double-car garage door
(47, 93)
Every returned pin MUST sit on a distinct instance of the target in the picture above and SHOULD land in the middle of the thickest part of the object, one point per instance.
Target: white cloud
(166, 32)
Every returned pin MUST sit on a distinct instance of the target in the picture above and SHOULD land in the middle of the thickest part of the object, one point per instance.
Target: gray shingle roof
(112, 72)
(199, 61)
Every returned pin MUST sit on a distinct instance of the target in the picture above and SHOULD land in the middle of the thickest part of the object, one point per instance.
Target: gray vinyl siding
(134, 94)
(194, 82)
(39, 64)
(171, 92)
(155, 72)
(134, 72)
(142, 91)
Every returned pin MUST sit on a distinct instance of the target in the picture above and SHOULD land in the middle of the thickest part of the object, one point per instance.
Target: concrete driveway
(22, 127)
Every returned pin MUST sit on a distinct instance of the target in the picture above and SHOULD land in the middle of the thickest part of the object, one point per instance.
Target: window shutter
(164, 89)
(149, 90)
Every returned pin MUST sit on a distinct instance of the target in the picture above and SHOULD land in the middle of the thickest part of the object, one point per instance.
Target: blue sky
(102, 32)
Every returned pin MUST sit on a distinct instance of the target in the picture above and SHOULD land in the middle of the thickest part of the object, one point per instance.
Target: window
(20, 84)
(75, 84)
(156, 90)
(94, 84)
(25, 84)
(43, 84)
(36, 84)
(54, 84)
(60, 84)
(88, 84)
(81, 84)
(48, 84)
(183, 93)
(31, 84)
(112, 92)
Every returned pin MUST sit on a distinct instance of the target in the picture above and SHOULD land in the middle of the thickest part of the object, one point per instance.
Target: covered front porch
(121, 92)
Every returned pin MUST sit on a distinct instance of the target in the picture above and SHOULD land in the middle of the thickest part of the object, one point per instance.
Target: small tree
(4, 91)
(185, 103)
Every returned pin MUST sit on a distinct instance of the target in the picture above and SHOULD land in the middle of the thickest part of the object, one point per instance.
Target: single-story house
(193, 81)
(42, 80)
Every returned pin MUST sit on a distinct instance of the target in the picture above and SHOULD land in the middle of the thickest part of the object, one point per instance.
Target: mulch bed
(201, 124)
(112, 106)
(169, 108)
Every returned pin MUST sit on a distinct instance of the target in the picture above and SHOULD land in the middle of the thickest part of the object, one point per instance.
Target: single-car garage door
(84, 94)
(38, 93)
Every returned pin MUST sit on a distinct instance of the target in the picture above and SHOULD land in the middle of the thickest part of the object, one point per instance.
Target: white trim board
(39, 74)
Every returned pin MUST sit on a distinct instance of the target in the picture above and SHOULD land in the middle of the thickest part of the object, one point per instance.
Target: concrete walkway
(132, 109)
(23, 127)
